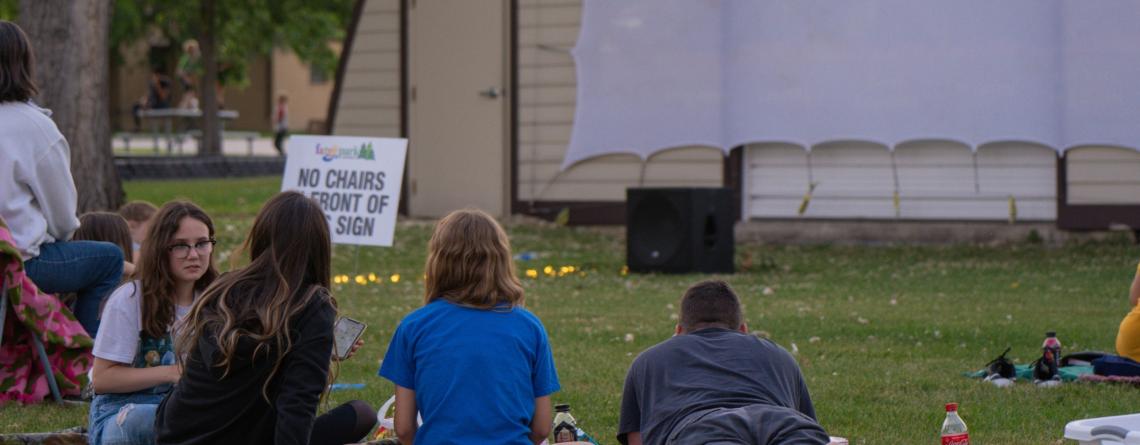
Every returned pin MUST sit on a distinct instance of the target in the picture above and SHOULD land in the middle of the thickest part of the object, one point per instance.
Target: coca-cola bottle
(953, 428)
(1051, 349)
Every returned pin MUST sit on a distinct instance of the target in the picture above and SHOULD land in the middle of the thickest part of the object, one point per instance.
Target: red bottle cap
(951, 407)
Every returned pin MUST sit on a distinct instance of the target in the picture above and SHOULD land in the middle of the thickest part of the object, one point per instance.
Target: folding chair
(49, 373)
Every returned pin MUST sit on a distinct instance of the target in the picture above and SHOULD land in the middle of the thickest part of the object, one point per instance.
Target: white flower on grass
(937, 334)
(768, 291)
(814, 340)
(862, 320)
(628, 338)
(795, 349)
(673, 317)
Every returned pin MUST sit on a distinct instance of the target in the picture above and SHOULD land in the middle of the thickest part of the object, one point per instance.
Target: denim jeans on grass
(123, 419)
(91, 269)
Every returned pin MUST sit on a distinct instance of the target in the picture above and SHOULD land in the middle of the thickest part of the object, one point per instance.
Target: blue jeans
(91, 269)
(123, 419)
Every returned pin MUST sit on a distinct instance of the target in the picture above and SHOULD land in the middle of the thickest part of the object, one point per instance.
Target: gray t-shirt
(710, 368)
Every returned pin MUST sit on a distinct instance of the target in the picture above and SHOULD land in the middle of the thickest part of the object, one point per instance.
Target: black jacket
(205, 408)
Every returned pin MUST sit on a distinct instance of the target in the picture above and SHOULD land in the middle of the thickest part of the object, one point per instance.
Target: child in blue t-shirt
(474, 364)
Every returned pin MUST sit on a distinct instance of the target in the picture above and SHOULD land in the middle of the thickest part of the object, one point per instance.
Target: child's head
(105, 226)
(469, 262)
(138, 215)
(179, 251)
(290, 237)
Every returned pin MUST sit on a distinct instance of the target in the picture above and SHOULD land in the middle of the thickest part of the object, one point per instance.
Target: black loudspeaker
(679, 230)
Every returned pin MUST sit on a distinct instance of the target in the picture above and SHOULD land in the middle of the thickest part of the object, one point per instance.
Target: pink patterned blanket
(31, 312)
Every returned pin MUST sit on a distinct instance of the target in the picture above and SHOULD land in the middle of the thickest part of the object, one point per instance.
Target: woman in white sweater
(37, 193)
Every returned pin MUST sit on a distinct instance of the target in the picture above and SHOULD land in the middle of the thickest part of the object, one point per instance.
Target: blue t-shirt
(475, 372)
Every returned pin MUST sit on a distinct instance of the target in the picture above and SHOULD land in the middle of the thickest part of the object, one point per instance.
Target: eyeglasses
(182, 251)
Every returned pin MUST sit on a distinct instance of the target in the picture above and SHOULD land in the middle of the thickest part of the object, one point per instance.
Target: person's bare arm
(633, 438)
(540, 424)
(405, 417)
(1134, 293)
(109, 377)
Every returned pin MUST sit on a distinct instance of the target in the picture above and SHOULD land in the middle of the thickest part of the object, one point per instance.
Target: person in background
(138, 215)
(713, 382)
(189, 65)
(281, 123)
(158, 90)
(257, 345)
(109, 227)
(472, 361)
(38, 199)
(135, 354)
(1128, 336)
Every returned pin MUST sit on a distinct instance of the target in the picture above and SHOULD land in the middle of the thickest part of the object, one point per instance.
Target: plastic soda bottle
(953, 428)
(565, 427)
(1051, 349)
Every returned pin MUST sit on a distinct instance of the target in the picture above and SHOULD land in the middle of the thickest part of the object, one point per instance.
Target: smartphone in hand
(346, 332)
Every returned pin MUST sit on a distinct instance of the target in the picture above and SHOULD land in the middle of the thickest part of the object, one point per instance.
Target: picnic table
(166, 117)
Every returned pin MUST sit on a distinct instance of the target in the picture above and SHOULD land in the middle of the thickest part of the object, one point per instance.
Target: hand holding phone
(346, 332)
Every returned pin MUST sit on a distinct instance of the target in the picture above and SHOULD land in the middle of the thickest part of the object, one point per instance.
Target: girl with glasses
(259, 342)
(134, 352)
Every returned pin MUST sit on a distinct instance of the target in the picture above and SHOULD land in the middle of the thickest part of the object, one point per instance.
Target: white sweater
(37, 193)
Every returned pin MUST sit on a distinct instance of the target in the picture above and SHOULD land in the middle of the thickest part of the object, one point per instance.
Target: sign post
(356, 181)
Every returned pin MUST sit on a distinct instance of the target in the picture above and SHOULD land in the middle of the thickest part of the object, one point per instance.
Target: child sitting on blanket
(472, 361)
(134, 352)
(1128, 337)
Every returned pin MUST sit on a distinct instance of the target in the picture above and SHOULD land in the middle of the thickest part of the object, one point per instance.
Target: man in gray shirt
(714, 383)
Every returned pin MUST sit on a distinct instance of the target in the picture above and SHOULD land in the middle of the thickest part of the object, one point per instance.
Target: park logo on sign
(330, 152)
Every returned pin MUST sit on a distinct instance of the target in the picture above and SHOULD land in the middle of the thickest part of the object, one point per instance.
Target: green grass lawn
(883, 333)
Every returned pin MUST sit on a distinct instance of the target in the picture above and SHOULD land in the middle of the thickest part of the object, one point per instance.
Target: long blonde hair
(469, 262)
(290, 256)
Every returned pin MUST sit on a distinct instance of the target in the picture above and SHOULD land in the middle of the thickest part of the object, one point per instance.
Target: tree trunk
(70, 40)
(211, 144)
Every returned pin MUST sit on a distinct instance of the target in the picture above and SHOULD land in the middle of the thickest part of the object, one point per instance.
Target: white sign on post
(356, 180)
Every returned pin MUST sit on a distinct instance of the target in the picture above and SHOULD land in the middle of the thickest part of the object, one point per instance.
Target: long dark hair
(153, 270)
(290, 264)
(16, 62)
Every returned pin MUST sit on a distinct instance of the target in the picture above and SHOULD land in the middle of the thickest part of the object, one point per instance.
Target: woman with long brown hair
(258, 343)
(135, 351)
(474, 363)
(38, 199)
